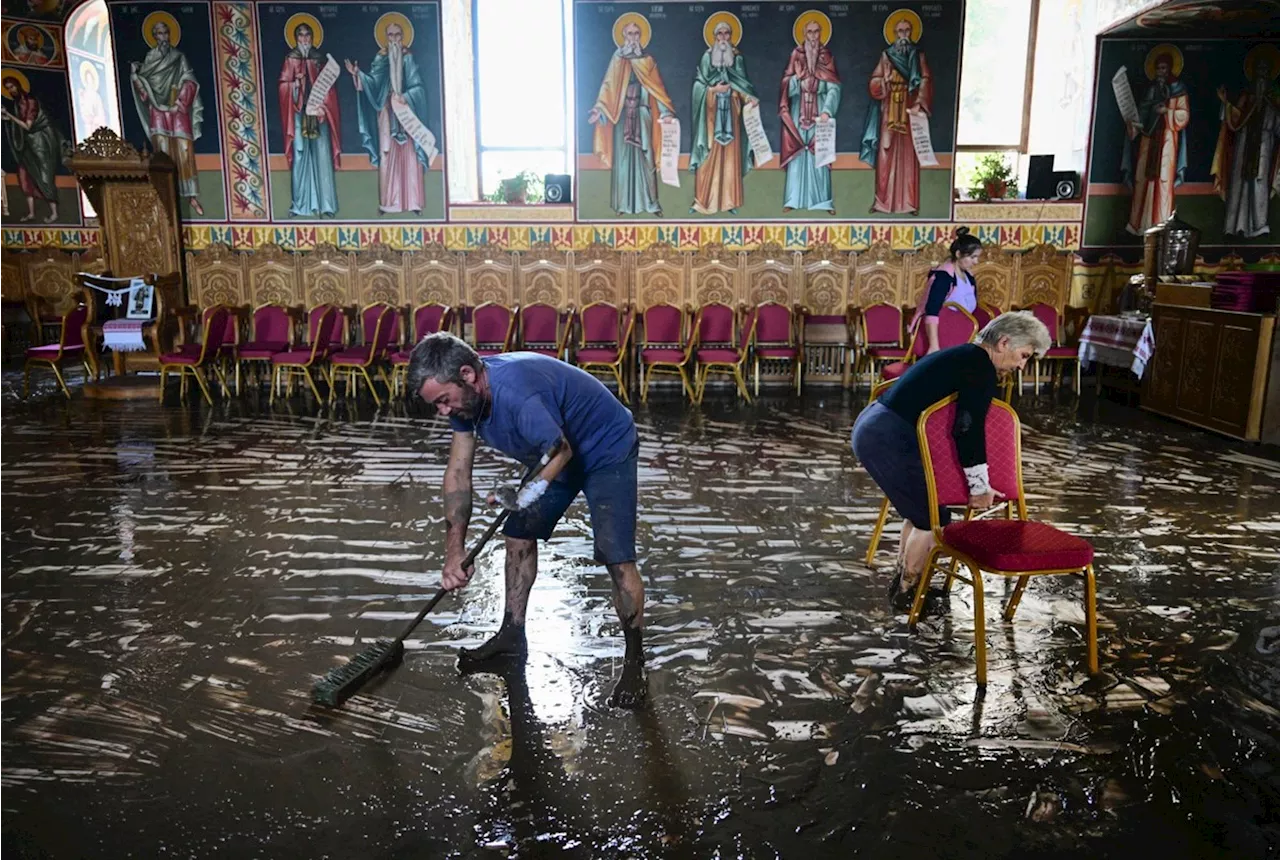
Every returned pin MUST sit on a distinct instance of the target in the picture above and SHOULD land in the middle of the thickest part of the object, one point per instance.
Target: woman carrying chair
(950, 282)
(884, 436)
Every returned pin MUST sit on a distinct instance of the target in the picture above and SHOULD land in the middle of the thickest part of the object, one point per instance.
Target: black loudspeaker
(1040, 178)
(559, 188)
(1066, 185)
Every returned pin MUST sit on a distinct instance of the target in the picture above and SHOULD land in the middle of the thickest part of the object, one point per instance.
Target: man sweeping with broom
(526, 406)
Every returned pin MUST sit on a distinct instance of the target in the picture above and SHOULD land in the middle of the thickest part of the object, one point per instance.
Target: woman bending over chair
(950, 282)
(884, 436)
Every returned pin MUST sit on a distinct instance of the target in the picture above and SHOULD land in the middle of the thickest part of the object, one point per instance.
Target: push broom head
(340, 682)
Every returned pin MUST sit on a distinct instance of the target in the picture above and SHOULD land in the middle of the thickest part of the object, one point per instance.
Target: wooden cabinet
(1211, 369)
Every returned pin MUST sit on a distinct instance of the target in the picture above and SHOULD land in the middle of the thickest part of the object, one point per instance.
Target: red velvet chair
(287, 366)
(956, 326)
(70, 345)
(666, 347)
(540, 330)
(720, 347)
(1013, 547)
(271, 332)
(379, 332)
(373, 321)
(882, 337)
(194, 358)
(605, 341)
(493, 328)
(227, 357)
(1057, 354)
(339, 335)
(427, 319)
(779, 336)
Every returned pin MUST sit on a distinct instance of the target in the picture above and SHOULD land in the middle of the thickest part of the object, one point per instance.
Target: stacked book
(1255, 292)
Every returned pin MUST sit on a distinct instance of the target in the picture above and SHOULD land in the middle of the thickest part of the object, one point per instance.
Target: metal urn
(1170, 248)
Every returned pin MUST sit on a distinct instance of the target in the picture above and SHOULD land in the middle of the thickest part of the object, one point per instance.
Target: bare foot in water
(632, 689)
(508, 642)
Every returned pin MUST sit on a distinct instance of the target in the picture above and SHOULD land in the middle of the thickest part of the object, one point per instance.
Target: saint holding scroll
(309, 119)
(720, 154)
(810, 97)
(901, 88)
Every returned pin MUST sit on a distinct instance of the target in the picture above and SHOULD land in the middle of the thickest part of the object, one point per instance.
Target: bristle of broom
(341, 682)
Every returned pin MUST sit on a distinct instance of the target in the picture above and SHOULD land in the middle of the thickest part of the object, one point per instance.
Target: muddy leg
(521, 571)
(628, 599)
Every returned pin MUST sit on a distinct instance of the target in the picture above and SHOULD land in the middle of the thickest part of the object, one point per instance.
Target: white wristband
(979, 481)
(531, 493)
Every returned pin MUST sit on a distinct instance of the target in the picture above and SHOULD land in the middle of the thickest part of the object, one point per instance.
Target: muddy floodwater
(176, 578)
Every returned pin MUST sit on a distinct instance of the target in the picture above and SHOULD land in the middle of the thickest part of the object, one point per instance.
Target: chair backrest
(944, 476)
(326, 327)
(230, 330)
(316, 315)
(72, 334)
(663, 324)
(882, 325)
(272, 324)
(956, 326)
(774, 324)
(386, 331)
(539, 324)
(714, 324)
(431, 318)
(749, 332)
(601, 324)
(492, 323)
(982, 315)
(215, 332)
(374, 319)
(1048, 315)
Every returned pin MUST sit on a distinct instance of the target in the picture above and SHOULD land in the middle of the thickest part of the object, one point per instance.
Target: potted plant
(524, 187)
(992, 178)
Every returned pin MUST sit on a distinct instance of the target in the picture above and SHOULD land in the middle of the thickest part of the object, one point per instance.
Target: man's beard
(811, 54)
(722, 55)
(473, 404)
(395, 64)
(901, 46)
(162, 47)
(304, 50)
(630, 50)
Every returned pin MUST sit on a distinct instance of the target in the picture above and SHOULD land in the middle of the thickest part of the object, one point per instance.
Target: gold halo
(5, 74)
(632, 18)
(891, 25)
(317, 31)
(735, 28)
(175, 29)
(1266, 50)
(85, 64)
(23, 31)
(1166, 48)
(824, 26)
(380, 29)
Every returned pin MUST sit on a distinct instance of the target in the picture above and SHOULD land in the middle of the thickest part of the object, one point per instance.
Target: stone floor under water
(176, 578)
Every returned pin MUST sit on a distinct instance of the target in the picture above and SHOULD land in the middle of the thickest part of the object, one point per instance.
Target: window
(995, 78)
(91, 65)
(522, 88)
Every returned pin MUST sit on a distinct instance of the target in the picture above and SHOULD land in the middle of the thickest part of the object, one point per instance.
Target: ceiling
(1245, 19)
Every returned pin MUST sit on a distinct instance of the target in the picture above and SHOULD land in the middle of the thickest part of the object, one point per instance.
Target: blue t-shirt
(538, 399)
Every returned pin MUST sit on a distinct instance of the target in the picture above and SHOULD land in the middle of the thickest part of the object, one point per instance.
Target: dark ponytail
(965, 243)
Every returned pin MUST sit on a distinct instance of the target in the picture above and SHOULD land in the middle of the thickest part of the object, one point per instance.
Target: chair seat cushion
(399, 358)
(1017, 545)
(777, 351)
(489, 350)
(886, 352)
(659, 355)
(541, 349)
(597, 355)
(297, 356)
(893, 371)
(1062, 352)
(718, 355)
(355, 355)
(50, 350)
(262, 349)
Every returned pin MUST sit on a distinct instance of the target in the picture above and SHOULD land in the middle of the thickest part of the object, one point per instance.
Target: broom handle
(480, 544)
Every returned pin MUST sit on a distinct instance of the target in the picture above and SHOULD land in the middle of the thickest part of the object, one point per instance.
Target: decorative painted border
(240, 92)
(685, 237)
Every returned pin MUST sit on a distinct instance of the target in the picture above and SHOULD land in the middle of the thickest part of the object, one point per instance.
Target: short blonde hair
(1021, 328)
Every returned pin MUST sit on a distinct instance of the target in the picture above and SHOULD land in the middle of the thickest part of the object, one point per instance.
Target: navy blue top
(939, 288)
(966, 370)
(537, 399)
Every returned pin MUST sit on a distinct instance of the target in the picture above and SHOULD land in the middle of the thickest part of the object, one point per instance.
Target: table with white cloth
(1126, 342)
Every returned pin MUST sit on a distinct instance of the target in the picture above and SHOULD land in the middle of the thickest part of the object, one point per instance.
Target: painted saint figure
(1244, 164)
(312, 140)
(167, 97)
(35, 142)
(720, 155)
(89, 104)
(1160, 162)
(631, 105)
(810, 95)
(30, 47)
(900, 85)
(393, 83)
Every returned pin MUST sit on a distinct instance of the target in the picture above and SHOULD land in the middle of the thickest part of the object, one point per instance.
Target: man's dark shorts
(611, 499)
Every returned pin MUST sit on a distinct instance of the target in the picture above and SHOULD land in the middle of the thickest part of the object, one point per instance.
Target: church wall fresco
(1202, 137)
(862, 69)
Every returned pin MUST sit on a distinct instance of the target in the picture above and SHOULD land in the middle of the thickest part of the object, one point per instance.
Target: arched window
(91, 65)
